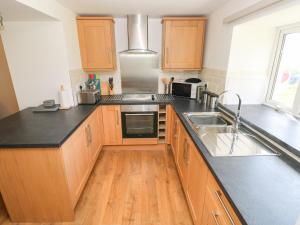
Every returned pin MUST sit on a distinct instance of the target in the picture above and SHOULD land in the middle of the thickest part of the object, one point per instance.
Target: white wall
(251, 53)
(237, 55)
(68, 19)
(218, 36)
(37, 59)
(249, 60)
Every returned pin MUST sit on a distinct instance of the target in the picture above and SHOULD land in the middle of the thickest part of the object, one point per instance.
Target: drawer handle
(218, 194)
(167, 56)
(87, 136)
(215, 218)
(90, 134)
(117, 117)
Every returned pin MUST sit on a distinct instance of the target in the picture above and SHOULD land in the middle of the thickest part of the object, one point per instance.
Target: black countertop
(45, 129)
(263, 189)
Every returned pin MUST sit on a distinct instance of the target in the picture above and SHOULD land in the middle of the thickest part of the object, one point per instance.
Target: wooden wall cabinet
(112, 126)
(183, 43)
(97, 43)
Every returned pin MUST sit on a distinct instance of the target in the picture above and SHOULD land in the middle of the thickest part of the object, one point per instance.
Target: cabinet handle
(184, 149)
(187, 153)
(108, 55)
(117, 117)
(215, 216)
(90, 133)
(87, 136)
(219, 194)
(167, 55)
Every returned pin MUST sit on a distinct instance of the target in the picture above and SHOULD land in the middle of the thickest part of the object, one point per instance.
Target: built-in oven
(139, 121)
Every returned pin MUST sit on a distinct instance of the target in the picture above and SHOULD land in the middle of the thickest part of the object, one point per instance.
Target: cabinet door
(183, 44)
(175, 135)
(94, 135)
(213, 214)
(112, 128)
(197, 179)
(183, 156)
(77, 161)
(96, 38)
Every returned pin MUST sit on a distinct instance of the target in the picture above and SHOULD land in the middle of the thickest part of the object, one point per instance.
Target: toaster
(89, 97)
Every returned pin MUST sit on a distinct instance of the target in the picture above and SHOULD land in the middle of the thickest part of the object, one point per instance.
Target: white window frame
(274, 66)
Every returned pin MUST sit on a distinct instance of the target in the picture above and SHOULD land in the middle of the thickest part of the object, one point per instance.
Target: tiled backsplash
(215, 79)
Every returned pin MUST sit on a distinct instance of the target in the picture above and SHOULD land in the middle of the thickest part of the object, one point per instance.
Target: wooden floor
(130, 187)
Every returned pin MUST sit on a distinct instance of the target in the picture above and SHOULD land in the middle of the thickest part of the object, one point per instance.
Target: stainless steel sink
(219, 136)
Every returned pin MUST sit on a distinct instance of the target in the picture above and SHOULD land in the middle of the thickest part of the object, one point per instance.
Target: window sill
(280, 127)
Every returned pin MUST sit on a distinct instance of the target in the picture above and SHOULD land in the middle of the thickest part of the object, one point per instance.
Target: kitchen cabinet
(207, 202)
(94, 133)
(76, 160)
(112, 128)
(217, 209)
(80, 152)
(183, 43)
(174, 130)
(196, 184)
(44, 184)
(97, 43)
(183, 156)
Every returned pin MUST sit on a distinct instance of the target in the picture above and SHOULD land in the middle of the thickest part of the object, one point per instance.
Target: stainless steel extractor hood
(137, 29)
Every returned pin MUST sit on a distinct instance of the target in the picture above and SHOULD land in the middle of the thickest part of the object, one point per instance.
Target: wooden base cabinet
(196, 184)
(174, 133)
(112, 127)
(183, 156)
(217, 209)
(44, 184)
(208, 204)
(80, 152)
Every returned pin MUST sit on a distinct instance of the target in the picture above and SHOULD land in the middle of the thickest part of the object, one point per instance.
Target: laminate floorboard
(129, 188)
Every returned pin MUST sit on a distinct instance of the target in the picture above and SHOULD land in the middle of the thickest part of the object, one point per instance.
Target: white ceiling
(153, 8)
(12, 10)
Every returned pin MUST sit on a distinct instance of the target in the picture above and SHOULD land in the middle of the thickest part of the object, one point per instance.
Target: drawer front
(224, 211)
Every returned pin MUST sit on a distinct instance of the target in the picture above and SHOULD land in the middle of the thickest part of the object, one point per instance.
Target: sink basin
(221, 139)
(207, 119)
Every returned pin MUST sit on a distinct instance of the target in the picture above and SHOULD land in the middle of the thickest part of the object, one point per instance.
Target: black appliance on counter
(139, 121)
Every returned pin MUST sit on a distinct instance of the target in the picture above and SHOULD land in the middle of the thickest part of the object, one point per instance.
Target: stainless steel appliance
(139, 66)
(184, 89)
(137, 30)
(89, 96)
(139, 121)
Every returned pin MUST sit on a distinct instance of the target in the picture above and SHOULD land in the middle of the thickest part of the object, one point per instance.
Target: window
(284, 88)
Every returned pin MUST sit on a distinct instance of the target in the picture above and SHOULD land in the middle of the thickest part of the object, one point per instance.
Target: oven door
(139, 124)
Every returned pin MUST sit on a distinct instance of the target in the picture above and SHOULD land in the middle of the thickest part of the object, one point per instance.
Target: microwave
(185, 89)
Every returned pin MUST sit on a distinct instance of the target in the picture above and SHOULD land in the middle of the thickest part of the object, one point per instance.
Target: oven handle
(139, 114)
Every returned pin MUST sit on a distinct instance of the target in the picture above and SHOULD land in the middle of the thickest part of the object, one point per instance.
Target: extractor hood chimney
(137, 29)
